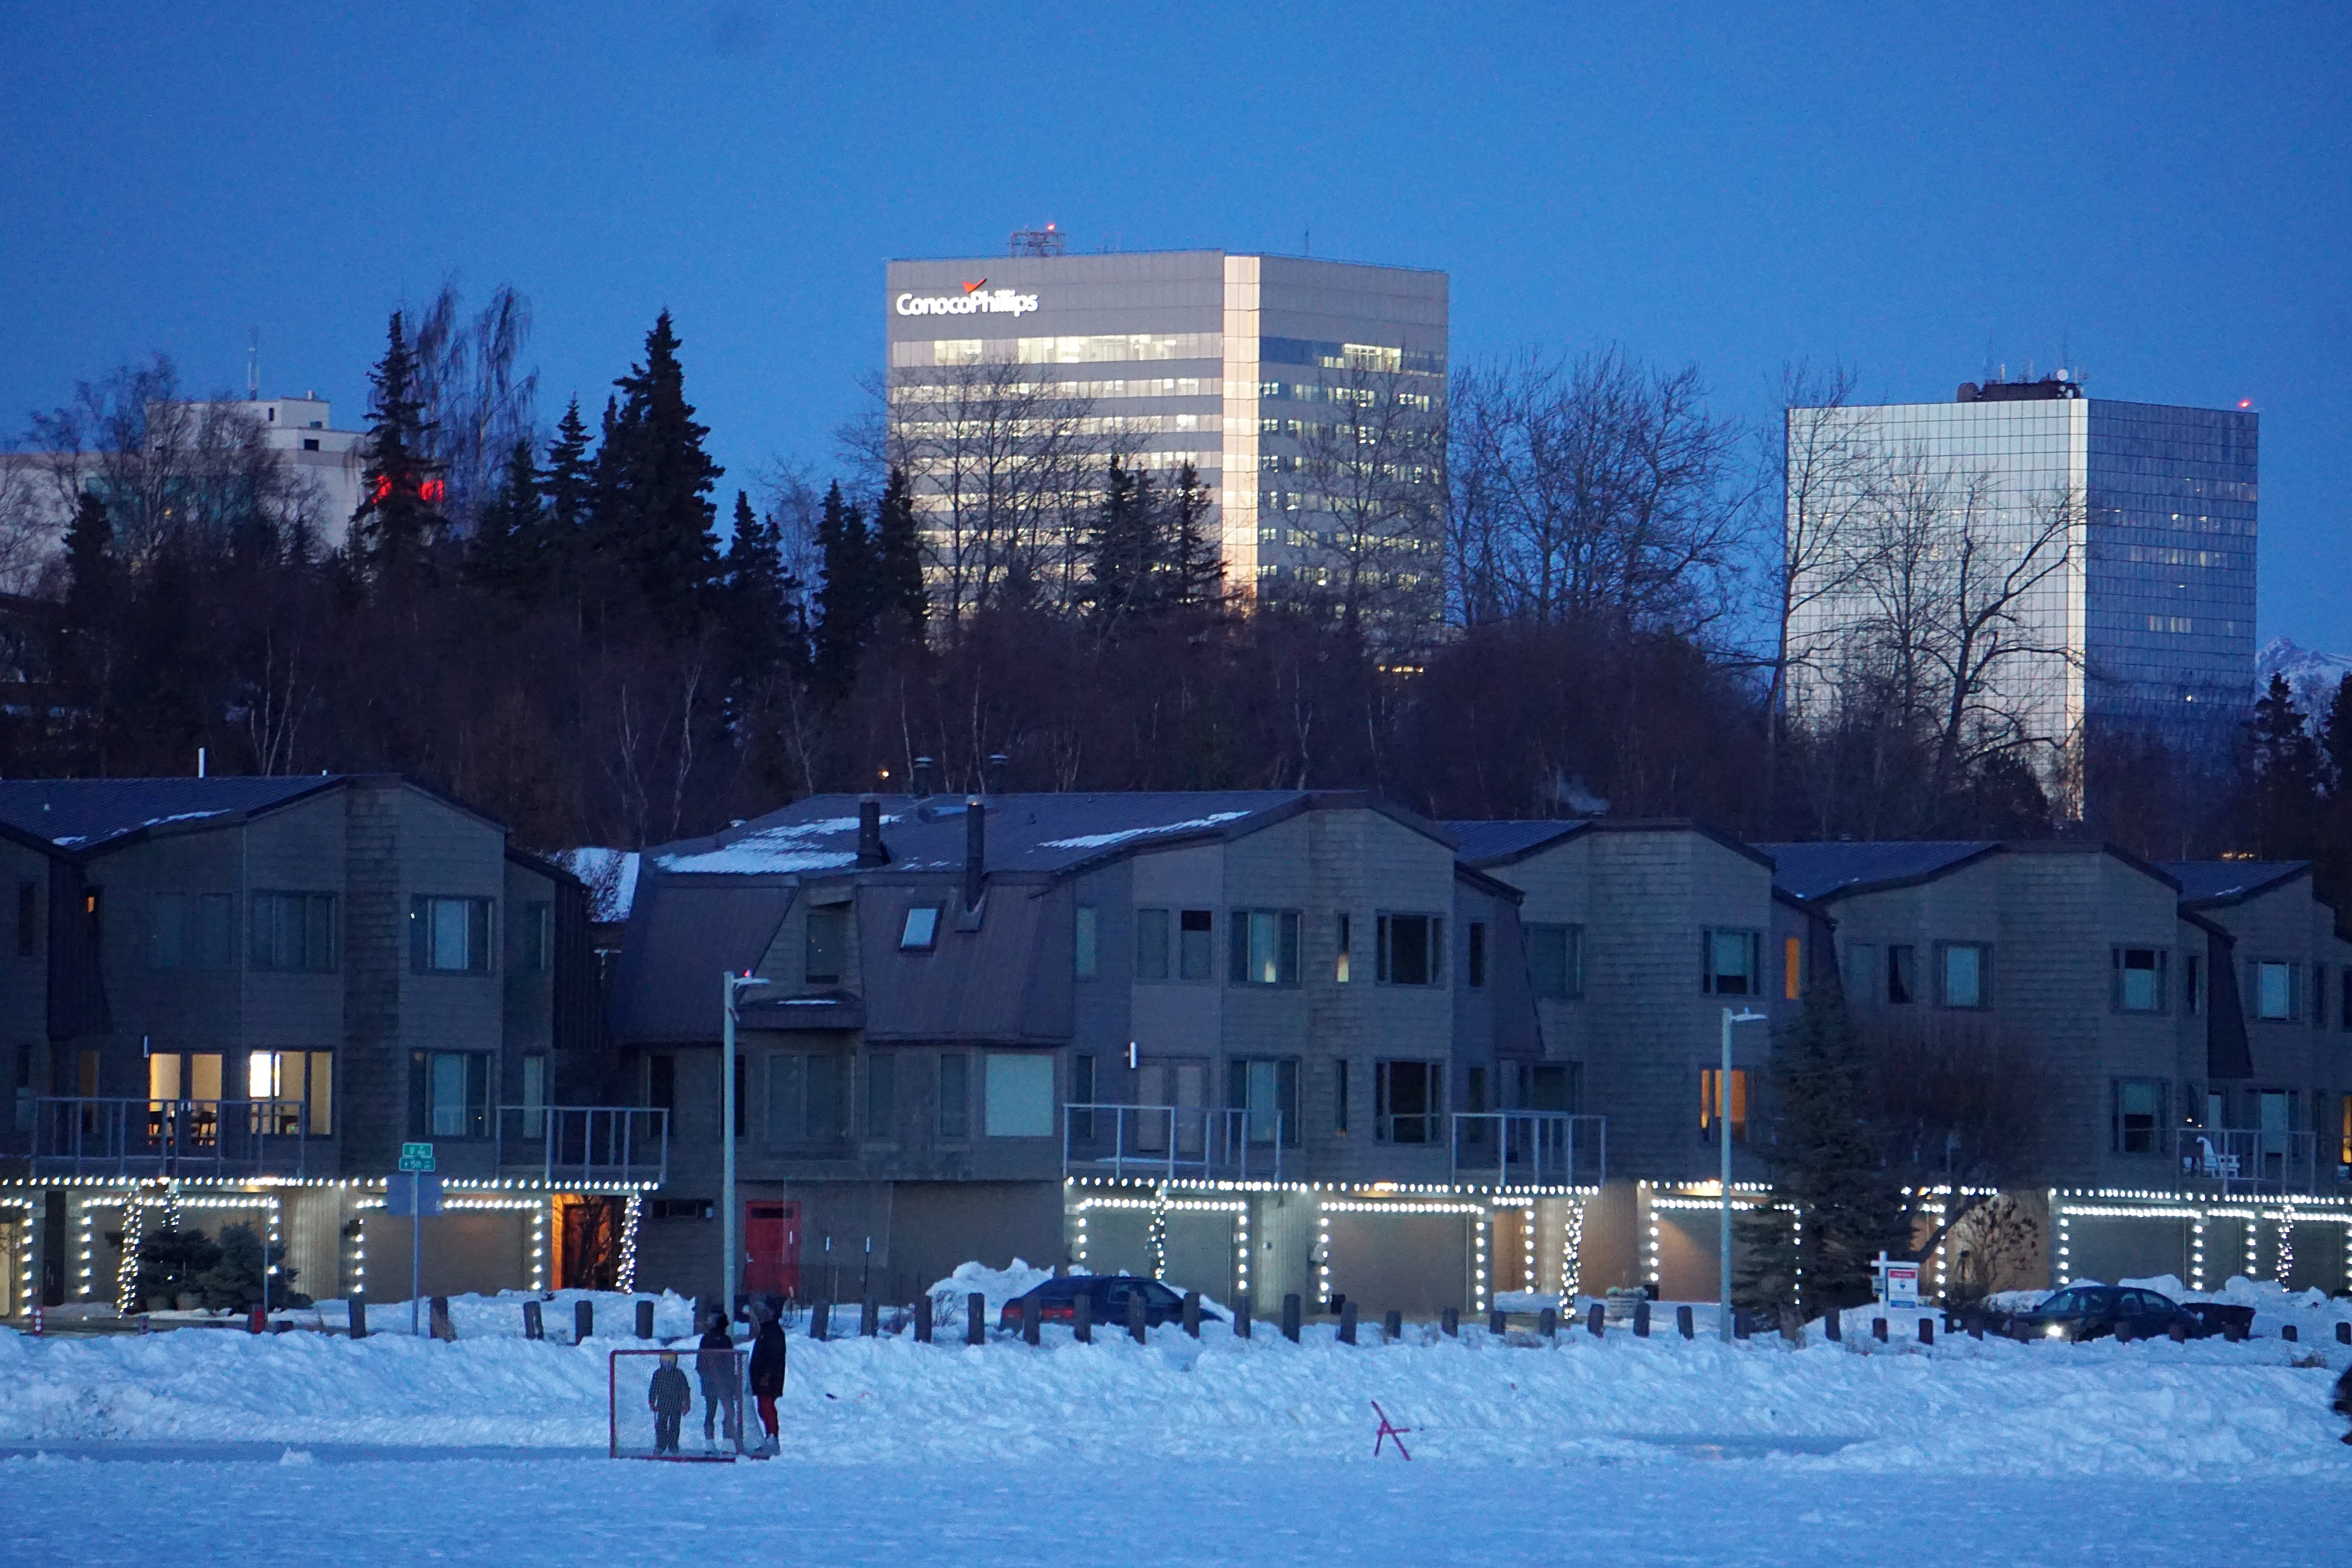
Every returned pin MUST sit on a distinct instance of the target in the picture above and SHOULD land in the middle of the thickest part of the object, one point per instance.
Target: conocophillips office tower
(1229, 362)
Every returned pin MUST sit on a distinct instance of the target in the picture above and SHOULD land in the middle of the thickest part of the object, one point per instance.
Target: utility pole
(1723, 1141)
(731, 1225)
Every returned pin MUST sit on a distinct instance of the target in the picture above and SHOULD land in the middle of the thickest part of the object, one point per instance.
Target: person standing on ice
(768, 1376)
(669, 1399)
(722, 1390)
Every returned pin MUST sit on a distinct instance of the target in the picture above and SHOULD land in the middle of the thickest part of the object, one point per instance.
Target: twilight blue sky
(2164, 191)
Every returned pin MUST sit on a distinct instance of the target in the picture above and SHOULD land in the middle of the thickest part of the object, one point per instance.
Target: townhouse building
(237, 999)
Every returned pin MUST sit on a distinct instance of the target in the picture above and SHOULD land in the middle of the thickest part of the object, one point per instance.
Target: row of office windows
(2140, 981)
(1262, 947)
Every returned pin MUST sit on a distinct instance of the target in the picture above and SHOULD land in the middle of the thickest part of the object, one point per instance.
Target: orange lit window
(1791, 966)
(1710, 1092)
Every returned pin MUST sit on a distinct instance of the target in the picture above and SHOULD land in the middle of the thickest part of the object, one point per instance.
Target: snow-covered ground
(208, 1446)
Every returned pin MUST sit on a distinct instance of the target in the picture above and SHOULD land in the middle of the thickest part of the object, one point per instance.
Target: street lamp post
(1723, 1141)
(731, 1229)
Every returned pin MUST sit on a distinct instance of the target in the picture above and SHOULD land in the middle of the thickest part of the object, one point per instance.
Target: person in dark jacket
(768, 1376)
(669, 1399)
(2343, 1403)
(722, 1389)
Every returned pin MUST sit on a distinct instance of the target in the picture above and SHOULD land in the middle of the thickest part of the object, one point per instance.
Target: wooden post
(2287, 1331)
(1138, 1318)
(1739, 1325)
(1347, 1322)
(923, 1318)
(1593, 1321)
(1683, 1324)
(1392, 1328)
(1878, 1330)
(535, 1321)
(821, 1320)
(2123, 1333)
(1498, 1323)
(359, 1317)
(440, 1328)
(644, 1320)
(1029, 1321)
(1449, 1322)
(1082, 1317)
(1976, 1325)
(2344, 1334)
(2180, 1331)
(1642, 1319)
(583, 1321)
(1193, 1313)
(1241, 1317)
(1290, 1317)
(1926, 1330)
(1548, 1323)
(975, 1318)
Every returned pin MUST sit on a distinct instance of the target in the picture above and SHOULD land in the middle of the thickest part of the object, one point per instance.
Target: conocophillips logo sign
(977, 299)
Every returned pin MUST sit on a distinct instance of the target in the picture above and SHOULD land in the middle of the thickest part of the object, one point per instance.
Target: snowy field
(207, 1446)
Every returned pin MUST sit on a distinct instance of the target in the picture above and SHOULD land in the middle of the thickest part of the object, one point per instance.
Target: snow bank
(1964, 1407)
(999, 1285)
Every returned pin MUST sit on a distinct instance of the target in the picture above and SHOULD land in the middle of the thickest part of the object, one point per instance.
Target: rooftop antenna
(253, 368)
(1045, 241)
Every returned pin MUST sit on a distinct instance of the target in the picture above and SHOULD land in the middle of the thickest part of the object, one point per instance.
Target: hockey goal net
(683, 1405)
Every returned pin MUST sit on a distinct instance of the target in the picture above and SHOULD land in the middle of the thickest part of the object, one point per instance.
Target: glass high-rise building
(2109, 547)
(1307, 397)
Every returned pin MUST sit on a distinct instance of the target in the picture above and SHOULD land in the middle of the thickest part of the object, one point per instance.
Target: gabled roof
(2206, 884)
(84, 814)
(1036, 834)
(1831, 869)
(1499, 843)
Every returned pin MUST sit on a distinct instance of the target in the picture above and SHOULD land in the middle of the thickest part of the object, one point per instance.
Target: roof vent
(922, 778)
(871, 851)
(996, 761)
(975, 852)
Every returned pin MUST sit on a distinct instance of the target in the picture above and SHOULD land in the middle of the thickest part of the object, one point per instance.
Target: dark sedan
(2093, 1311)
(1108, 1297)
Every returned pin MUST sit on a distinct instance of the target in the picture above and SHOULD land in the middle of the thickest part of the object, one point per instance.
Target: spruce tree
(899, 590)
(2285, 770)
(655, 516)
(1828, 1167)
(760, 620)
(1123, 557)
(1196, 560)
(845, 600)
(398, 523)
(568, 487)
(2335, 739)
(508, 552)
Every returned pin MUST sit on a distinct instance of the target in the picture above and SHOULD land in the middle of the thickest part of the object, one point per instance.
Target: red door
(771, 1249)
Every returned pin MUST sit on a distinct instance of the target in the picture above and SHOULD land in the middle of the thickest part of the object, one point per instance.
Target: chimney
(922, 778)
(870, 851)
(975, 851)
(996, 761)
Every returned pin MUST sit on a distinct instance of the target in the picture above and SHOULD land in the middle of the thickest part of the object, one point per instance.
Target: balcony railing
(88, 1136)
(1172, 1142)
(2248, 1159)
(1529, 1148)
(585, 1143)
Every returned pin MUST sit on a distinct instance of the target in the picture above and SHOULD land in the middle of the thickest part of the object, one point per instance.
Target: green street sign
(416, 1156)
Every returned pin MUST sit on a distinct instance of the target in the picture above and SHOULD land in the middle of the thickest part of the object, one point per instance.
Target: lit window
(1265, 947)
(1710, 1100)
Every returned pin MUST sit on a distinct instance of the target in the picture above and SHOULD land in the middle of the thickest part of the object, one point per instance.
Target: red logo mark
(975, 288)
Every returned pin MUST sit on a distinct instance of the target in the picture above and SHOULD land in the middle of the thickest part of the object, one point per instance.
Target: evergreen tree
(2335, 739)
(90, 565)
(398, 522)
(761, 597)
(1122, 549)
(845, 600)
(1196, 560)
(898, 588)
(1828, 1169)
(508, 549)
(568, 487)
(2285, 770)
(654, 517)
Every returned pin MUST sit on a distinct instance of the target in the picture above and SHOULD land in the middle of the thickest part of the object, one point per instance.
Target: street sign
(416, 1156)
(1899, 1282)
(404, 1197)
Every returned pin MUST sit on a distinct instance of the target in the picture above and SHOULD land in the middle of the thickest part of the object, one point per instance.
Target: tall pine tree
(569, 489)
(898, 592)
(1123, 549)
(508, 549)
(2285, 774)
(654, 519)
(845, 600)
(762, 608)
(399, 523)
(1196, 560)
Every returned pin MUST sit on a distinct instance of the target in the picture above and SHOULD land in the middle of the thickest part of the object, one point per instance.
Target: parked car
(2092, 1311)
(1107, 1295)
